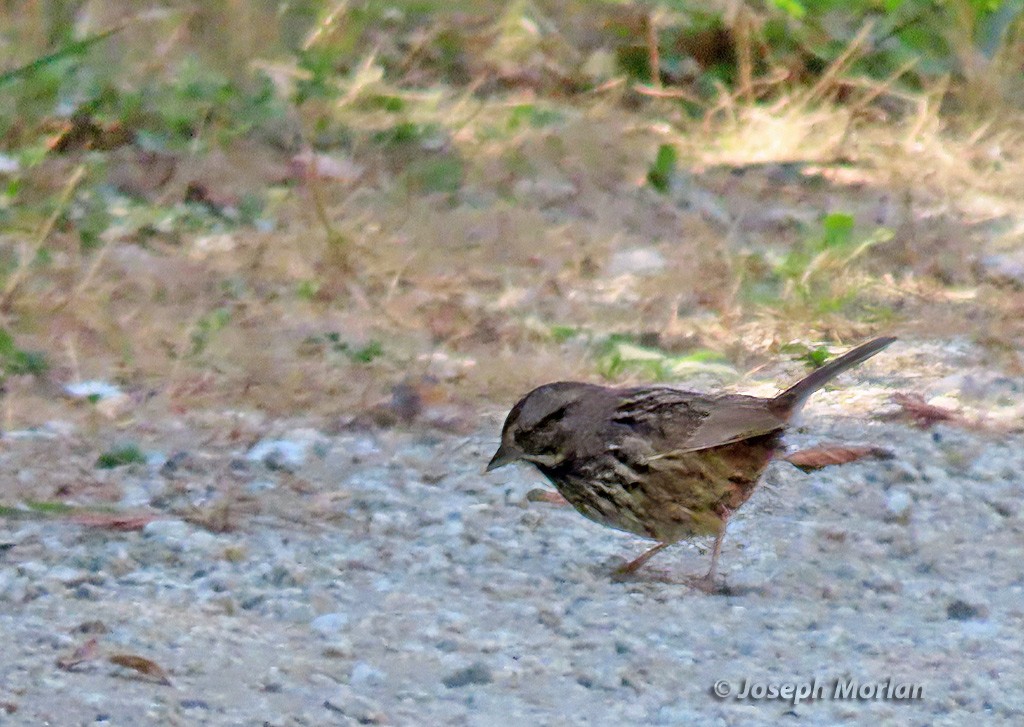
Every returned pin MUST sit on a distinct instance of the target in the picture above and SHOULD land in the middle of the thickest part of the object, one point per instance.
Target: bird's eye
(539, 431)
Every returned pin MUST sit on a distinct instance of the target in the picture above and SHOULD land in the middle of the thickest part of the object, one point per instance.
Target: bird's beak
(504, 455)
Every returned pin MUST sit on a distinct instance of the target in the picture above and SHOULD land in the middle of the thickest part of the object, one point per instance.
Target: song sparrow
(657, 462)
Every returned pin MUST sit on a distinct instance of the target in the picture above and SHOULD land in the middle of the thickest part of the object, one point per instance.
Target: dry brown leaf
(423, 401)
(143, 666)
(83, 132)
(8, 707)
(113, 521)
(86, 652)
(814, 458)
(925, 415)
(84, 488)
(218, 517)
(199, 192)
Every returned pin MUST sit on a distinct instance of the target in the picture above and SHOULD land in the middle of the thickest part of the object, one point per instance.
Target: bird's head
(533, 430)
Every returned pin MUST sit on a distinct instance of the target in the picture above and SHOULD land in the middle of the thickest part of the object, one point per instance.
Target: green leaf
(837, 230)
(368, 353)
(307, 289)
(793, 8)
(561, 334)
(15, 361)
(208, 325)
(443, 174)
(660, 174)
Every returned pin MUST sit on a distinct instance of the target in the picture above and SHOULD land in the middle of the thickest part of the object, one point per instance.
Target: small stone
(898, 471)
(637, 261)
(171, 533)
(355, 707)
(257, 486)
(898, 506)
(202, 542)
(289, 453)
(209, 245)
(92, 390)
(1005, 268)
(179, 463)
(194, 704)
(329, 624)
(546, 191)
(959, 610)
(477, 673)
(339, 647)
(365, 675)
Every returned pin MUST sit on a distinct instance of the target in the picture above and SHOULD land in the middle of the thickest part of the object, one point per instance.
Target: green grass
(120, 456)
(15, 361)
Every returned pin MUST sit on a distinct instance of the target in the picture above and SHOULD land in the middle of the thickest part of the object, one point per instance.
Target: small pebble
(477, 673)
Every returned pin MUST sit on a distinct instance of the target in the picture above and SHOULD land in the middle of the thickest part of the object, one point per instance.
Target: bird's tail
(789, 400)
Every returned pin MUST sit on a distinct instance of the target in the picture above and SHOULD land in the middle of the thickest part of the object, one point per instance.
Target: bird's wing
(729, 419)
(676, 422)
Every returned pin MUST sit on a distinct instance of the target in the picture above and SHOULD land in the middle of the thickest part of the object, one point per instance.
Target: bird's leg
(636, 563)
(706, 582)
(716, 551)
(539, 494)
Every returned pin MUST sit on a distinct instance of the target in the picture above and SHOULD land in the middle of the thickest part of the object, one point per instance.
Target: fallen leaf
(86, 652)
(925, 415)
(814, 458)
(87, 488)
(217, 517)
(113, 521)
(82, 132)
(8, 707)
(423, 401)
(199, 193)
(142, 665)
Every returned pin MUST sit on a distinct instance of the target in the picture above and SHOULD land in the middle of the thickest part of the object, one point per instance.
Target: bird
(655, 461)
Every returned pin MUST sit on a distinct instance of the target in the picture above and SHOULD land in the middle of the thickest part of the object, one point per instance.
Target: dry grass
(471, 287)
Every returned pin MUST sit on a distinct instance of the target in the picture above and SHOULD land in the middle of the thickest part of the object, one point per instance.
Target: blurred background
(374, 207)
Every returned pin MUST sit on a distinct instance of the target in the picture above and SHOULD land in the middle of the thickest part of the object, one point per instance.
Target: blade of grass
(71, 49)
(25, 263)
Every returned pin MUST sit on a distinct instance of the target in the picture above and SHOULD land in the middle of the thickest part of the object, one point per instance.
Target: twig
(25, 263)
(819, 90)
(745, 60)
(86, 279)
(661, 92)
(324, 25)
(653, 55)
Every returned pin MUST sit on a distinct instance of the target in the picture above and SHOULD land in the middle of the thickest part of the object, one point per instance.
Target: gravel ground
(438, 595)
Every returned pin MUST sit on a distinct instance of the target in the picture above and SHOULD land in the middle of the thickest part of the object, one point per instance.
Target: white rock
(637, 261)
(168, 532)
(898, 504)
(364, 675)
(291, 452)
(329, 624)
(92, 389)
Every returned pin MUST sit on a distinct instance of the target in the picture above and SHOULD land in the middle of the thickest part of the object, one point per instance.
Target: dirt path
(428, 593)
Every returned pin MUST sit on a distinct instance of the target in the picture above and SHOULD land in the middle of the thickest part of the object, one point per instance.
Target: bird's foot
(624, 571)
(709, 584)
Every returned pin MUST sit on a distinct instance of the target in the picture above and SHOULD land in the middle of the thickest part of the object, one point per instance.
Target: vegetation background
(378, 213)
